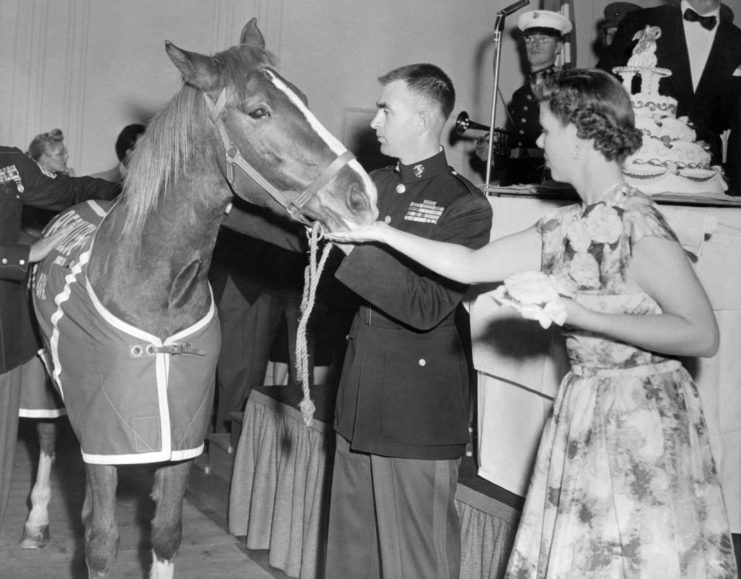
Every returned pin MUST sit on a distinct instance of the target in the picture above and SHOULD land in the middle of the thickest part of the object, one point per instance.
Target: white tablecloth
(519, 365)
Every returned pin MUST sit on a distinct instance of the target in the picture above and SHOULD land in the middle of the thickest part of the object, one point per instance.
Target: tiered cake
(671, 159)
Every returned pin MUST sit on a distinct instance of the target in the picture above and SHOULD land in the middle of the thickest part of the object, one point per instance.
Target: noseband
(234, 157)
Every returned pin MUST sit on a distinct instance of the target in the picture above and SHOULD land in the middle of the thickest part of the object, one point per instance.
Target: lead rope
(312, 273)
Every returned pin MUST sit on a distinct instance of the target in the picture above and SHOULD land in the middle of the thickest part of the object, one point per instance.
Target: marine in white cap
(544, 22)
(543, 32)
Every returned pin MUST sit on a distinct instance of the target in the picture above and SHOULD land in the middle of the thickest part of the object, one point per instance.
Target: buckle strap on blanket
(145, 350)
(179, 349)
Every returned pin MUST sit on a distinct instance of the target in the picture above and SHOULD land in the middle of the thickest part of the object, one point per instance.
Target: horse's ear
(251, 35)
(197, 70)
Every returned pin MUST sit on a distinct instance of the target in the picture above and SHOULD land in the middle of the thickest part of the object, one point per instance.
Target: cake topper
(643, 63)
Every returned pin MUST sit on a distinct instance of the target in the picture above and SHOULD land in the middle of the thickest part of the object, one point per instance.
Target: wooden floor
(207, 549)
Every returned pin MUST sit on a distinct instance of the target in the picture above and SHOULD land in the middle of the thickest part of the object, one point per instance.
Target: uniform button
(529, 97)
(524, 108)
(400, 188)
(453, 172)
(22, 262)
(422, 362)
(522, 132)
(523, 120)
(5, 260)
(387, 219)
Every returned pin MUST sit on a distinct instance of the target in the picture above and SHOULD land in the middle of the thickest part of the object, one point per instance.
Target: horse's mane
(170, 144)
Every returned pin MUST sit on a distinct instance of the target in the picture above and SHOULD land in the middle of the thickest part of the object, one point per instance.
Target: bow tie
(707, 22)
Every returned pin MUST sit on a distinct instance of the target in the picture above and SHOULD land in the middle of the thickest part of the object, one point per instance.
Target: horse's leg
(99, 518)
(167, 525)
(36, 529)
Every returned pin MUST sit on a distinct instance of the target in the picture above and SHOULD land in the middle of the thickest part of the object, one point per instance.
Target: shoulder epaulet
(461, 179)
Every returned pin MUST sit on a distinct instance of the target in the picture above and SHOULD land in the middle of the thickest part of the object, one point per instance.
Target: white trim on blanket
(142, 458)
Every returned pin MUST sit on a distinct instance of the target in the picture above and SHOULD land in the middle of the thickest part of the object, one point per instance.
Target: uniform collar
(422, 170)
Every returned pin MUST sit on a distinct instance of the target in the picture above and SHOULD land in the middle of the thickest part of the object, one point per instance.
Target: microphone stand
(497, 39)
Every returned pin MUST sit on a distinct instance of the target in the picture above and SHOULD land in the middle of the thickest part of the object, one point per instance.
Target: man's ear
(424, 120)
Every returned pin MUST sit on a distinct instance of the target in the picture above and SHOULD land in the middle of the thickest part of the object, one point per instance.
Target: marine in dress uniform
(543, 32)
(401, 413)
(23, 183)
(404, 385)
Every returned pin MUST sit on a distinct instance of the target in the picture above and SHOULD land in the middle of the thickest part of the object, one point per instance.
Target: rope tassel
(312, 273)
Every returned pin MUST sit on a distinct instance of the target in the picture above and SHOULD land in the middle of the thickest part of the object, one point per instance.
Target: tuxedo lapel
(674, 55)
(718, 66)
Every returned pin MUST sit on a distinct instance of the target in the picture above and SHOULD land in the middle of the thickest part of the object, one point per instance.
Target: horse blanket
(131, 397)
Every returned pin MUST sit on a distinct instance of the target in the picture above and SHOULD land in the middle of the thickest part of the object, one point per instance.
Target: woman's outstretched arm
(493, 262)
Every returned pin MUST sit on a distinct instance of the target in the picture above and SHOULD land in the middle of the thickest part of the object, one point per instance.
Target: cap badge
(418, 170)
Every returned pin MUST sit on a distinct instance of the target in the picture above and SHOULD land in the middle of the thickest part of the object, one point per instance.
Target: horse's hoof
(35, 537)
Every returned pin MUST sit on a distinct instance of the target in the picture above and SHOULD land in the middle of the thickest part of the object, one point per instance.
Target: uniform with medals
(23, 183)
(404, 386)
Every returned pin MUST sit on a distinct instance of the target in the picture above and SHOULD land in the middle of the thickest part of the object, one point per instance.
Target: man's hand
(41, 248)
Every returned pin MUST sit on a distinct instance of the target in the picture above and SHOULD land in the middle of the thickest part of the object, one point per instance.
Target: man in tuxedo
(702, 47)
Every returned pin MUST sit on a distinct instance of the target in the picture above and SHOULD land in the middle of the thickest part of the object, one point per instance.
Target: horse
(124, 306)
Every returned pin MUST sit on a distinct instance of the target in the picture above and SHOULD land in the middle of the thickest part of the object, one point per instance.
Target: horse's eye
(259, 113)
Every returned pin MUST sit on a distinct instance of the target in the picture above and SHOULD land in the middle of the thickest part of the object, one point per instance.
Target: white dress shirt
(699, 42)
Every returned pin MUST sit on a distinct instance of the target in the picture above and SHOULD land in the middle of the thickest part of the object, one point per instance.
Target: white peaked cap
(544, 19)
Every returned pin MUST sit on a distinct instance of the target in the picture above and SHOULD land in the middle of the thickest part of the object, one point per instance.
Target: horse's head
(285, 159)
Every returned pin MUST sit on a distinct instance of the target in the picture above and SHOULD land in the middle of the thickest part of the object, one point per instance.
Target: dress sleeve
(643, 218)
(552, 220)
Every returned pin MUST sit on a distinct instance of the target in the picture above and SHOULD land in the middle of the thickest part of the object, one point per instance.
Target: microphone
(514, 7)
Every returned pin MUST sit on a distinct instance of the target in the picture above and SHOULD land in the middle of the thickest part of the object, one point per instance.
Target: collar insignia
(418, 170)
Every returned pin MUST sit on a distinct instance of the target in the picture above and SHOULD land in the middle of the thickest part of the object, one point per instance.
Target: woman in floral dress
(624, 483)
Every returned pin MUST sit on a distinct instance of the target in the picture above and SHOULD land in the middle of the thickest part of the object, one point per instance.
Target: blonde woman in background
(50, 153)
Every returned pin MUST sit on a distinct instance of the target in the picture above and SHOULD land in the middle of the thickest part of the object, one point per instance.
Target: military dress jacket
(23, 183)
(404, 386)
(710, 106)
(526, 163)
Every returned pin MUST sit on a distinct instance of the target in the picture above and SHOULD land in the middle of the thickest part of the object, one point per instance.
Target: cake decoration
(671, 159)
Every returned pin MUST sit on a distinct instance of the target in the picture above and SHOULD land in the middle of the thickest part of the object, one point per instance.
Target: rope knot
(312, 273)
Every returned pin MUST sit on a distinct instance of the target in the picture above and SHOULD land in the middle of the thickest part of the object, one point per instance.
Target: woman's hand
(374, 232)
(43, 247)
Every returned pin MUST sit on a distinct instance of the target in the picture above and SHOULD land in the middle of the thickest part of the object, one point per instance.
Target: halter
(234, 157)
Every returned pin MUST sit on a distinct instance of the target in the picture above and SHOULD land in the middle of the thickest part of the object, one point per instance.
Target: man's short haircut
(426, 80)
(127, 139)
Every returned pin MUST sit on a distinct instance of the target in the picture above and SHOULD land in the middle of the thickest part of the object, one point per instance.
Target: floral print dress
(624, 483)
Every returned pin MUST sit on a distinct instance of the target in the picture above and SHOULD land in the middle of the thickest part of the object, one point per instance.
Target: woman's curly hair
(42, 142)
(598, 105)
